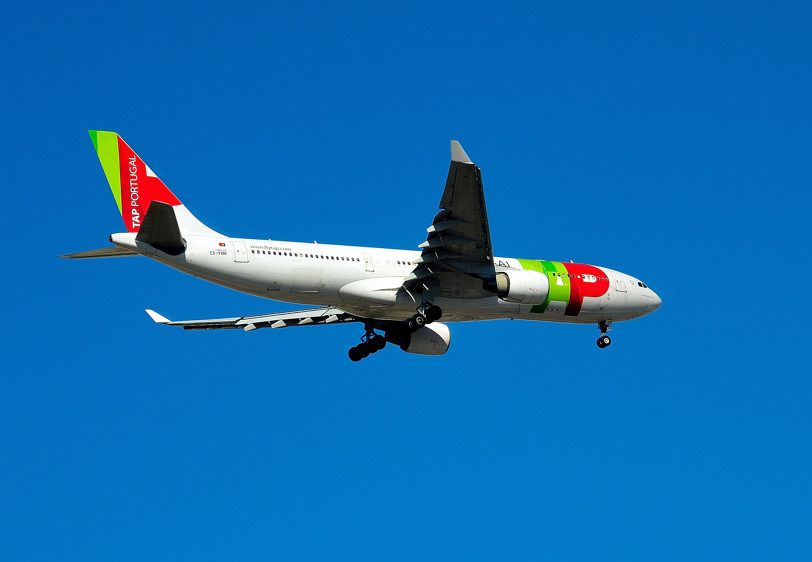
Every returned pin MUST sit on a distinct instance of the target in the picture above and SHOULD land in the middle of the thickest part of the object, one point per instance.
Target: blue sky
(668, 141)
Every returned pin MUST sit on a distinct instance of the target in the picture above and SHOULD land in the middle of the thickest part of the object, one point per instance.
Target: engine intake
(523, 287)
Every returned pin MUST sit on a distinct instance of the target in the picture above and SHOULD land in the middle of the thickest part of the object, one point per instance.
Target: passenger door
(240, 252)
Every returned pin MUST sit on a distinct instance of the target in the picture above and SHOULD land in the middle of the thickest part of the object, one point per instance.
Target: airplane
(401, 293)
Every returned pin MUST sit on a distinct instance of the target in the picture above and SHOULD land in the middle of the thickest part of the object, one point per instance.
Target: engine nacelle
(431, 339)
(523, 287)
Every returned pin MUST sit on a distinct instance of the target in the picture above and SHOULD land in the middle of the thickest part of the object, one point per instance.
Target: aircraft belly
(555, 310)
(590, 306)
(488, 308)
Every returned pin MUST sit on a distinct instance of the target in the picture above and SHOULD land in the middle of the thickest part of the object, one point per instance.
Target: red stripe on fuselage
(580, 288)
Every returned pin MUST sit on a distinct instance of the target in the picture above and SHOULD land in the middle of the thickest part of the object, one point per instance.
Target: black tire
(604, 341)
(434, 313)
(354, 354)
(378, 342)
(365, 349)
(419, 321)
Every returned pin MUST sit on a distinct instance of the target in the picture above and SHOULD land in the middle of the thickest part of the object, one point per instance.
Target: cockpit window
(641, 284)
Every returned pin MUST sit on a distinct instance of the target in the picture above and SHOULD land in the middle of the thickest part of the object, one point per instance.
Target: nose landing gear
(604, 340)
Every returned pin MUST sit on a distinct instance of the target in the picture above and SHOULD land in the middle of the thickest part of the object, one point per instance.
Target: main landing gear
(426, 314)
(604, 340)
(370, 343)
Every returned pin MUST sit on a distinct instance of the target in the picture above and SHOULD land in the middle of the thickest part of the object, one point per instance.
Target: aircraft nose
(657, 301)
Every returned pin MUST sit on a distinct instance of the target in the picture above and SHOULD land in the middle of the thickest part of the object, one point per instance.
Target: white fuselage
(367, 281)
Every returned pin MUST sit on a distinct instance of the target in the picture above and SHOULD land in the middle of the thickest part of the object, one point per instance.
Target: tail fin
(135, 185)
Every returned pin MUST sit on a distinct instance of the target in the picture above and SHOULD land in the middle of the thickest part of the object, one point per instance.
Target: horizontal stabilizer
(160, 229)
(157, 318)
(111, 252)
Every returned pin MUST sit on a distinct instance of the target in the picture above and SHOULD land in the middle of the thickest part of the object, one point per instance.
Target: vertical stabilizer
(135, 185)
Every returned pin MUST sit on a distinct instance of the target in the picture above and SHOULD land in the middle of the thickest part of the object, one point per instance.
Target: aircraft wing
(307, 317)
(457, 254)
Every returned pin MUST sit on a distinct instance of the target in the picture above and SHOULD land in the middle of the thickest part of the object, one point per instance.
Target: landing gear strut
(370, 343)
(398, 334)
(426, 314)
(604, 340)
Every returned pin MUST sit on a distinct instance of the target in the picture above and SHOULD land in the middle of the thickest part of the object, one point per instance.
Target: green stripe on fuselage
(556, 274)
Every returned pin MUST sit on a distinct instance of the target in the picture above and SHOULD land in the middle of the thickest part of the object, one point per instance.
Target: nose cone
(656, 301)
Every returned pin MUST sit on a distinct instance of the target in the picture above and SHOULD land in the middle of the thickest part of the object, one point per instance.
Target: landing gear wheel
(433, 313)
(604, 340)
(416, 322)
(354, 354)
(370, 343)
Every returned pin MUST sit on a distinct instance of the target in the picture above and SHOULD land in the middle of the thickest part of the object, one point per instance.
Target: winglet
(458, 154)
(157, 317)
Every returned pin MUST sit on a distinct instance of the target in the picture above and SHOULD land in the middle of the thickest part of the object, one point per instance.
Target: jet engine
(431, 339)
(523, 287)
